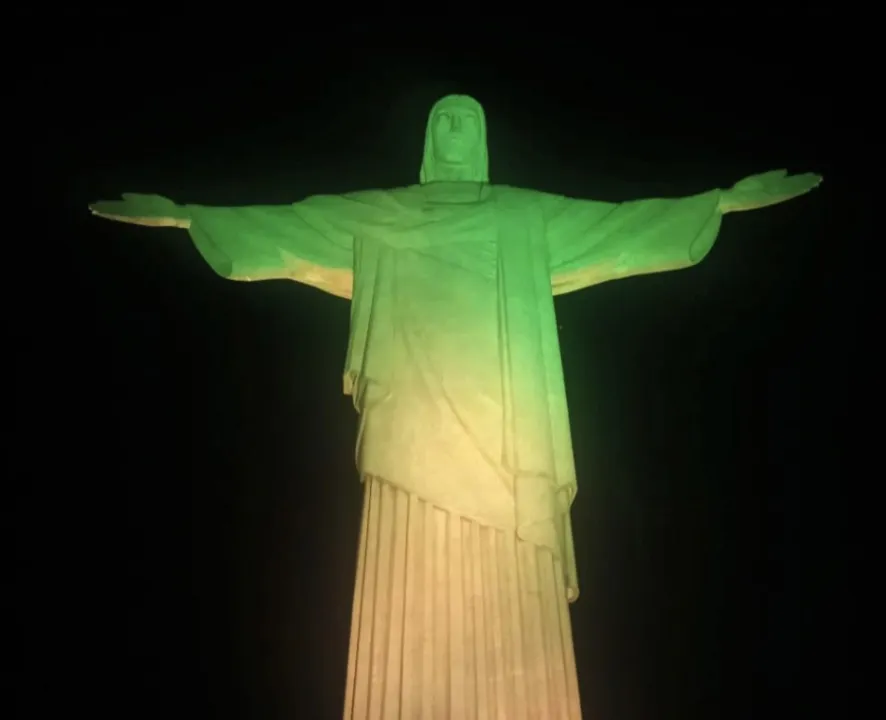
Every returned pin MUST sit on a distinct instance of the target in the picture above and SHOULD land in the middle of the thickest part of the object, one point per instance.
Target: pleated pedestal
(453, 619)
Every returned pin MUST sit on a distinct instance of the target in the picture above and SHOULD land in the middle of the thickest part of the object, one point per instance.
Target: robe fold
(453, 359)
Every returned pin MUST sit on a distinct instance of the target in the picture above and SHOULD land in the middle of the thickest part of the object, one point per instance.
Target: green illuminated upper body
(453, 360)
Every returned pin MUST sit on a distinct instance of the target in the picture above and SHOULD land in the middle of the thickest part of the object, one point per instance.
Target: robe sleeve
(309, 241)
(591, 242)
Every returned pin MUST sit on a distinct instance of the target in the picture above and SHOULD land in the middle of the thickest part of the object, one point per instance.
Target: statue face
(456, 134)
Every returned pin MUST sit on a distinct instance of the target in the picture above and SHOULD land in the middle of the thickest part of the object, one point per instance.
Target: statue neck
(448, 172)
(456, 192)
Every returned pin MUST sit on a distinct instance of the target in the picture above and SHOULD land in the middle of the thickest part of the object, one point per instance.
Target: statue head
(455, 142)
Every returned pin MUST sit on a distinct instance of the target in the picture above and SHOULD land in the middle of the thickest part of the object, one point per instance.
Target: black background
(189, 508)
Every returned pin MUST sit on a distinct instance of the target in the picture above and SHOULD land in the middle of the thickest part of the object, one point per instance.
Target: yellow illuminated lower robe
(454, 619)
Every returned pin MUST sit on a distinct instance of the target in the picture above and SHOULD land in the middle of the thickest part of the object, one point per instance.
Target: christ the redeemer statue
(466, 563)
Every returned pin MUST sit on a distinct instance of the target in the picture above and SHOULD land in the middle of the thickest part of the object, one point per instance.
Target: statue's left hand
(769, 188)
(141, 209)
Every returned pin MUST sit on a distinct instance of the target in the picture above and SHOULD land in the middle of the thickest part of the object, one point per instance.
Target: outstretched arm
(310, 241)
(592, 242)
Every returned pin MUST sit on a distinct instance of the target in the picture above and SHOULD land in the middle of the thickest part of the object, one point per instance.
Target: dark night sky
(192, 508)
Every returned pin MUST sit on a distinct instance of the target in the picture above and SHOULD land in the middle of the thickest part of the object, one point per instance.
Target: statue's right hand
(138, 209)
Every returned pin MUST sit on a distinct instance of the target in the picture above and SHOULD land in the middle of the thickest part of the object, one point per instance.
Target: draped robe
(453, 359)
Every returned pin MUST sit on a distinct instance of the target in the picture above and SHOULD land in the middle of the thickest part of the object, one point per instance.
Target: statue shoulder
(387, 197)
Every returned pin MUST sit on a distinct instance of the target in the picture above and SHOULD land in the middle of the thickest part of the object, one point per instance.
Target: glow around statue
(466, 560)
